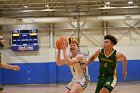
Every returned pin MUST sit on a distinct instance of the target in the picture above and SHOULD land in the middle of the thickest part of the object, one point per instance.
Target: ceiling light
(107, 3)
(47, 9)
(27, 11)
(25, 6)
(47, 5)
(130, 2)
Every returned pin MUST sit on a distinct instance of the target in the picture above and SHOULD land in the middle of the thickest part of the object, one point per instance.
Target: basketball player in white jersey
(74, 61)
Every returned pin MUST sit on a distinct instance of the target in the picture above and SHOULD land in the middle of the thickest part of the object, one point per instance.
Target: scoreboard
(24, 40)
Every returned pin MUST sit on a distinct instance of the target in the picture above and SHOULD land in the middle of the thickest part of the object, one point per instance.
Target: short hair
(113, 39)
(1, 37)
(75, 42)
(1, 42)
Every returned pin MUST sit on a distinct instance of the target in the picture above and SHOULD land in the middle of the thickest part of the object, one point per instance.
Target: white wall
(91, 37)
(49, 54)
(43, 55)
(131, 52)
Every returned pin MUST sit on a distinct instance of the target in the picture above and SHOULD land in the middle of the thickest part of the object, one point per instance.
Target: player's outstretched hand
(16, 68)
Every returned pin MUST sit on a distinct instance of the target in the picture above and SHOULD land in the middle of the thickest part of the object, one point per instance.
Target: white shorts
(82, 81)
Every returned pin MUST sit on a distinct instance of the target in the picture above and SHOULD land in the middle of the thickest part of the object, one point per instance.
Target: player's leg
(98, 88)
(99, 85)
(109, 85)
(67, 91)
(104, 90)
(79, 85)
(1, 88)
(69, 87)
(76, 88)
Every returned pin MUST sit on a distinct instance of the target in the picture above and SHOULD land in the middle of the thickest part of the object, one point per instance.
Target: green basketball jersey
(107, 64)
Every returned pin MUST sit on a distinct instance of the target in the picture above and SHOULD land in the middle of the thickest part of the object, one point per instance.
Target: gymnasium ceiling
(67, 8)
(115, 16)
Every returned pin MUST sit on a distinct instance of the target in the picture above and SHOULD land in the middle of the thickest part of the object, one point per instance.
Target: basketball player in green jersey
(5, 65)
(108, 58)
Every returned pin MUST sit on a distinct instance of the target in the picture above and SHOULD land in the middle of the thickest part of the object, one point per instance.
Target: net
(84, 50)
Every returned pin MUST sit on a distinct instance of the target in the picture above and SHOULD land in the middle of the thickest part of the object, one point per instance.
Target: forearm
(58, 56)
(91, 59)
(6, 66)
(58, 59)
(124, 64)
(67, 59)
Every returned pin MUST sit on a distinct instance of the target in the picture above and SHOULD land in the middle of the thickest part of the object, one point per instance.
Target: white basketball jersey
(77, 71)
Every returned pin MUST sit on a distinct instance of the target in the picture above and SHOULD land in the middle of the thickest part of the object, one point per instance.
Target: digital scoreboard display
(24, 40)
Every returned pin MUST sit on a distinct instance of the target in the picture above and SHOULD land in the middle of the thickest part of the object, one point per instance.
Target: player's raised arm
(59, 43)
(59, 61)
(92, 58)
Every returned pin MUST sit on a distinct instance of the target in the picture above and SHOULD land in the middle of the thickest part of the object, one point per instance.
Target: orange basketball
(60, 41)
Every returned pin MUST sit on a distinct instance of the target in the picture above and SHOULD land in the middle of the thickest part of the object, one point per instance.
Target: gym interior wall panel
(1, 76)
(52, 73)
(63, 74)
(30, 73)
(49, 54)
(12, 77)
(49, 73)
(93, 70)
(133, 71)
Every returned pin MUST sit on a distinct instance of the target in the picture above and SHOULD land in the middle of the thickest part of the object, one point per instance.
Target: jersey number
(105, 65)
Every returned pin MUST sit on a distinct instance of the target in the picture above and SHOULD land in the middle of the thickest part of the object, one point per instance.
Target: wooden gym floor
(122, 87)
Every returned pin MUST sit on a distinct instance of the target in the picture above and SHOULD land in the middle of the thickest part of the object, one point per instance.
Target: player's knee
(73, 91)
(104, 90)
(67, 91)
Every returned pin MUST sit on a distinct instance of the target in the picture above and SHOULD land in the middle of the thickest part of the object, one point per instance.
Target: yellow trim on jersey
(115, 74)
(113, 84)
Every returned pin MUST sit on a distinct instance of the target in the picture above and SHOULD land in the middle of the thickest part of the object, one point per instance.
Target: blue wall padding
(1, 76)
(49, 73)
(30, 73)
(133, 71)
(93, 70)
(63, 74)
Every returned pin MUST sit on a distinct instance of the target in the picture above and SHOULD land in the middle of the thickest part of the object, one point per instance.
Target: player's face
(2, 42)
(107, 44)
(73, 47)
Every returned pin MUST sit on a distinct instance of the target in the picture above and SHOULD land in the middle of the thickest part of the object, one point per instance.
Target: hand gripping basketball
(61, 41)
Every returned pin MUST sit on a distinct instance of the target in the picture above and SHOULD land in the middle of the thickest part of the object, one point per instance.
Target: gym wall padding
(50, 73)
(1, 76)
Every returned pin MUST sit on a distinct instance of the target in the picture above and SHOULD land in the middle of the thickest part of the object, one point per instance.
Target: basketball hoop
(84, 50)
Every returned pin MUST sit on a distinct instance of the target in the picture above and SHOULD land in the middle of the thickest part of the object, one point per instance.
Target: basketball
(60, 41)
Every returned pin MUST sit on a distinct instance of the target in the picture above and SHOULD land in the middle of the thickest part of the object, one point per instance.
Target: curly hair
(113, 39)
